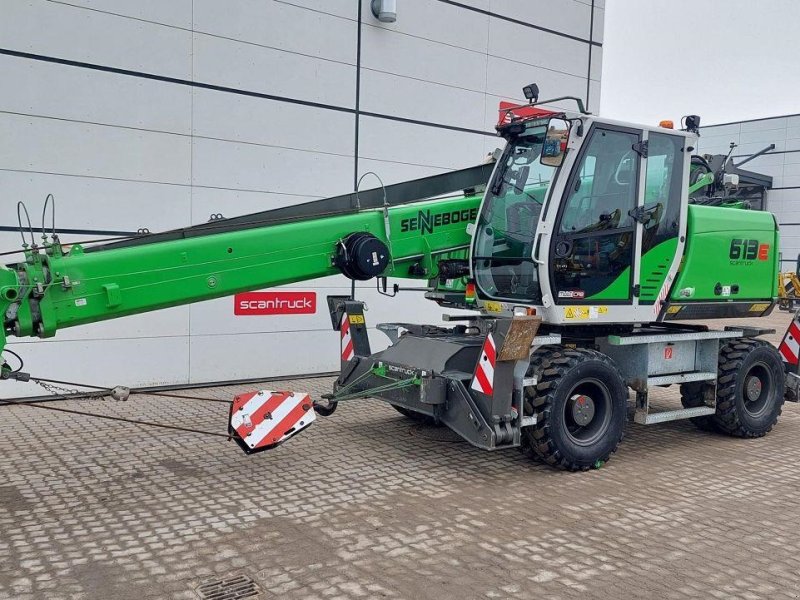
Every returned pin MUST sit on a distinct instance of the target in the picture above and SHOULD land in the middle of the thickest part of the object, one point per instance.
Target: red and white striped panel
(483, 379)
(347, 340)
(264, 419)
(790, 346)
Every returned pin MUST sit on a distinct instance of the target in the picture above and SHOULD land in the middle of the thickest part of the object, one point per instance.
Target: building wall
(157, 114)
(782, 164)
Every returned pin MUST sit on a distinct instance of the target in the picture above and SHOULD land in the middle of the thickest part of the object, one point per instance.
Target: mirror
(555, 143)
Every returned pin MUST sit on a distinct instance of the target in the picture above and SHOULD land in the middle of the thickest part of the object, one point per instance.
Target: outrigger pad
(262, 420)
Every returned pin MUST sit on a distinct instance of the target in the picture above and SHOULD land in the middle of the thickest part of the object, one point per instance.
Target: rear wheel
(580, 403)
(750, 386)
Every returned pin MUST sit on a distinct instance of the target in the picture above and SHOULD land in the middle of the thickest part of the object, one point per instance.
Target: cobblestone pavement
(366, 505)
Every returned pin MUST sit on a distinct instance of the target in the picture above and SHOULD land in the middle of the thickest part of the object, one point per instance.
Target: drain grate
(230, 588)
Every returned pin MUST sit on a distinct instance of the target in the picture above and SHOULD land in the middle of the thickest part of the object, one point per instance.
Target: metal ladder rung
(681, 377)
(672, 415)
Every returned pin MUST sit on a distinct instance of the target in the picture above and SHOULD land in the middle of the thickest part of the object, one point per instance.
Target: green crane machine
(582, 250)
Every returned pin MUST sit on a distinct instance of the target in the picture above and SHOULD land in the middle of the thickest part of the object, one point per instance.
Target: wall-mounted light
(384, 10)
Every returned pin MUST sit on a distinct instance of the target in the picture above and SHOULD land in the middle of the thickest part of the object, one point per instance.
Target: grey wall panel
(53, 146)
(393, 172)
(570, 17)
(41, 88)
(255, 120)
(421, 100)
(393, 52)
(168, 323)
(258, 69)
(537, 48)
(439, 21)
(175, 13)
(340, 8)
(763, 136)
(109, 362)
(231, 203)
(598, 32)
(244, 166)
(594, 98)
(419, 144)
(505, 79)
(243, 356)
(765, 125)
(283, 26)
(74, 33)
(96, 204)
(791, 157)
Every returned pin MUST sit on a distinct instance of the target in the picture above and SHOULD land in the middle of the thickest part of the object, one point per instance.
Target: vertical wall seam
(589, 72)
(358, 98)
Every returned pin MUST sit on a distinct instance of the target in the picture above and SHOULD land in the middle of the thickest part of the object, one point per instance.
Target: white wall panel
(246, 166)
(78, 34)
(569, 17)
(278, 25)
(145, 362)
(41, 88)
(392, 52)
(421, 100)
(258, 69)
(419, 145)
(89, 203)
(504, 79)
(167, 323)
(232, 203)
(247, 119)
(393, 172)
(53, 146)
(248, 356)
(438, 21)
(537, 48)
(341, 8)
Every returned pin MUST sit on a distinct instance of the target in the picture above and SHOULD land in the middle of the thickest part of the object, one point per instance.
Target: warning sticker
(584, 313)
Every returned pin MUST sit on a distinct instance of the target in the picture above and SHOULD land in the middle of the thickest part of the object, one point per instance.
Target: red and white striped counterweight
(262, 420)
(790, 345)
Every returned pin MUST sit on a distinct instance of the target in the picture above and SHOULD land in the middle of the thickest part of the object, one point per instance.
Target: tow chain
(68, 390)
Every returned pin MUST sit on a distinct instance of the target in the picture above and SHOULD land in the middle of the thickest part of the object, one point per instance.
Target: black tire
(573, 386)
(415, 416)
(692, 396)
(750, 386)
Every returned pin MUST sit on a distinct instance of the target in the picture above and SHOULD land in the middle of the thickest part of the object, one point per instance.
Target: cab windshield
(503, 253)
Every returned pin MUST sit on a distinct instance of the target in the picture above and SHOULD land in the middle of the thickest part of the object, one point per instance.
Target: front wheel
(580, 402)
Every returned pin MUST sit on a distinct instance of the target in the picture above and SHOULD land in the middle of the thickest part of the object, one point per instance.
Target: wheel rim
(587, 412)
(757, 389)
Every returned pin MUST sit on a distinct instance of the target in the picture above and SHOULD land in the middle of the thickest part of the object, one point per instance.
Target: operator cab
(583, 219)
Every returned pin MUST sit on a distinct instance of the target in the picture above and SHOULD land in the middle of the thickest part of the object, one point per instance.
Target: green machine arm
(391, 230)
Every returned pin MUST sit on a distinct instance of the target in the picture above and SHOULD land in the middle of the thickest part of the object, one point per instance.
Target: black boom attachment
(361, 256)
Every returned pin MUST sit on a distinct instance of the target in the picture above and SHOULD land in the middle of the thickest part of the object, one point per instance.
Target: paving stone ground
(366, 505)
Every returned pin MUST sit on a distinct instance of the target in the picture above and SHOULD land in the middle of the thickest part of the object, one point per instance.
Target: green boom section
(84, 287)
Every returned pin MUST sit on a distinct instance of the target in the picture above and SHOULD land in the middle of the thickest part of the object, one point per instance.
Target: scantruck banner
(274, 303)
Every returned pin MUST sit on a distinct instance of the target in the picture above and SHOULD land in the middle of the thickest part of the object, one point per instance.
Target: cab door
(593, 246)
(660, 216)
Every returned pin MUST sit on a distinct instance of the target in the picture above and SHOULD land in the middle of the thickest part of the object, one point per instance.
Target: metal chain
(55, 389)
